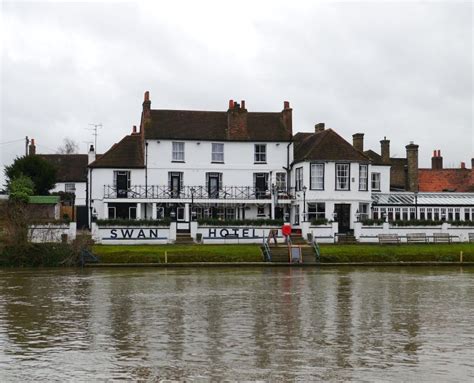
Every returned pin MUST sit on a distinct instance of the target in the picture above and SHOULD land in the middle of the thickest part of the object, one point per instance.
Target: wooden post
(460, 257)
(166, 256)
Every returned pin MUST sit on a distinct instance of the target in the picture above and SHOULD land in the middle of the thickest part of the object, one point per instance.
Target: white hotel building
(233, 164)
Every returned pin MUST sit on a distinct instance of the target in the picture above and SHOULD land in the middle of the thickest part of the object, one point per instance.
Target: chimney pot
(243, 104)
(319, 127)
(231, 104)
(147, 96)
(437, 160)
(32, 148)
(134, 130)
(463, 165)
(434, 153)
(286, 105)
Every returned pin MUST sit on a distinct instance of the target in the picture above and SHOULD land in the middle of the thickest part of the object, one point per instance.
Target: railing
(190, 192)
(266, 251)
(317, 251)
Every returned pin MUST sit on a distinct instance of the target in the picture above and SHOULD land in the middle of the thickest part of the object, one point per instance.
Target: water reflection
(268, 324)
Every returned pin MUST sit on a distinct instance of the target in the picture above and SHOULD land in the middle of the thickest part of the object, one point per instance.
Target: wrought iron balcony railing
(190, 192)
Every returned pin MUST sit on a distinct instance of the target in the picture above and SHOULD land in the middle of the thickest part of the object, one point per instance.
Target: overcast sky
(403, 69)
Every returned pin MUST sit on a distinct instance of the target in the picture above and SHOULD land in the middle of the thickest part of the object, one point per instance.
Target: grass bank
(177, 253)
(331, 253)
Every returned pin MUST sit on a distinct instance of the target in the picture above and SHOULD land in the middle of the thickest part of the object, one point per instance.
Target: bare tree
(69, 146)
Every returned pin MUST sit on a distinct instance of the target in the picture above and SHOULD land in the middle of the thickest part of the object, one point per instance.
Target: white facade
(79, 187)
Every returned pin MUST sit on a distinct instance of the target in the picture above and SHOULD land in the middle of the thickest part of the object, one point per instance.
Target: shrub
(462, 223)
(133, 222)
(240, 222)
(372, 222)
(319, 222)
(414, 222)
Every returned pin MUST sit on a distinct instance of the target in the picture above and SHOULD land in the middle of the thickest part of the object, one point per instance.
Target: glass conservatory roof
(407, 198)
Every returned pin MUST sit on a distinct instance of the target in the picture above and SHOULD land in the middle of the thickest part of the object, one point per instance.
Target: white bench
(441, 238)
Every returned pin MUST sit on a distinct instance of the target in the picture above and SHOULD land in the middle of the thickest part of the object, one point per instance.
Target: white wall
(52, 232)
(80, 191)
(237, 169)
(236, 234)
(131, 235)
(384, 177)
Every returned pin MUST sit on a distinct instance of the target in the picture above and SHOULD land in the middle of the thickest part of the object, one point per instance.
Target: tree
(40, 171)
(69, 146)
(21, 188)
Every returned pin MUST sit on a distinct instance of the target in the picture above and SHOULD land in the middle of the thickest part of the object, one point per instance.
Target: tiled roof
(438, 180)
(375, 158)
(69, 167)
(326, 145)
(210, 125)
(128, 153)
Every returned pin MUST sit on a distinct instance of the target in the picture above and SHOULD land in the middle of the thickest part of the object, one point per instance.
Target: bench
(417, 238)
(389, 239)
(441, 238)
(471, 237)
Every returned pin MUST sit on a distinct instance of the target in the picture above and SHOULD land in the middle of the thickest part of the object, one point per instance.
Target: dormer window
(178, 152)
(260, 154)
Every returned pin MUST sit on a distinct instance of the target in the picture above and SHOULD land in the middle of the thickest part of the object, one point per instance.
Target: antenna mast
(95, 128)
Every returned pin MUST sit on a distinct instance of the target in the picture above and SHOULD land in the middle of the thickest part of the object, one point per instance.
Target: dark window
(375, 184)
(175, 183)
(316, 211)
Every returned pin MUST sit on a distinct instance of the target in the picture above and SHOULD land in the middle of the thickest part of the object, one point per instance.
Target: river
(268, 324)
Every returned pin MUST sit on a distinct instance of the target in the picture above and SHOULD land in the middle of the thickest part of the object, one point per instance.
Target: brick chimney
(236, 122)
(412, 167)
(319, 127)
(146, 113)
(32, 148)
(436, 160)
(358, 141)
(287, 117)
(91, 155)
(385, 150)
(463, 165)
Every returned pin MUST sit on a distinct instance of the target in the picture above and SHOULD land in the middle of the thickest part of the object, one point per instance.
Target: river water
(268, 324)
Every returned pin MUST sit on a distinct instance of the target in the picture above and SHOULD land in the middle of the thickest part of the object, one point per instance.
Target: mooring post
(460, 257)
(166, 256)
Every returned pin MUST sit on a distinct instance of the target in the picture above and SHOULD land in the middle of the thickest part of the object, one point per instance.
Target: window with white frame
(70, 188)
(217, 152)
(375, 184)
(260, 153)
(178, 151)
(363, 211)
(316, 211)
(280, 181)
(112, 212)
(363, 177)
(299, 179)
(342, 176)
(317, 177)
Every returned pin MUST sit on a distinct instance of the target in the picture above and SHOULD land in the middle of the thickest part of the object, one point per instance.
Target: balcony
(190, 192)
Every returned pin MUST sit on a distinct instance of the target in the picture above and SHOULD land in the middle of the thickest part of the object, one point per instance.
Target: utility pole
(95, 128)
(27, 142)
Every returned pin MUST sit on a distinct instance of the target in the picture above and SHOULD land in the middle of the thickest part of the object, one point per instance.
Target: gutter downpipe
(146, 178)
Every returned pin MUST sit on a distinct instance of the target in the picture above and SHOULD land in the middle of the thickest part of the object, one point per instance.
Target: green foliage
(133, 222)
(41, 172)
(21, 187)
(372, 222)
(36, 254)
(416, 222)
(319, 222)
(240, 222)
(462, 223)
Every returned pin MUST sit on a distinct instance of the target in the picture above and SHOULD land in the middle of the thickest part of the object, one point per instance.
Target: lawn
(177, 253)
(396, 253)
